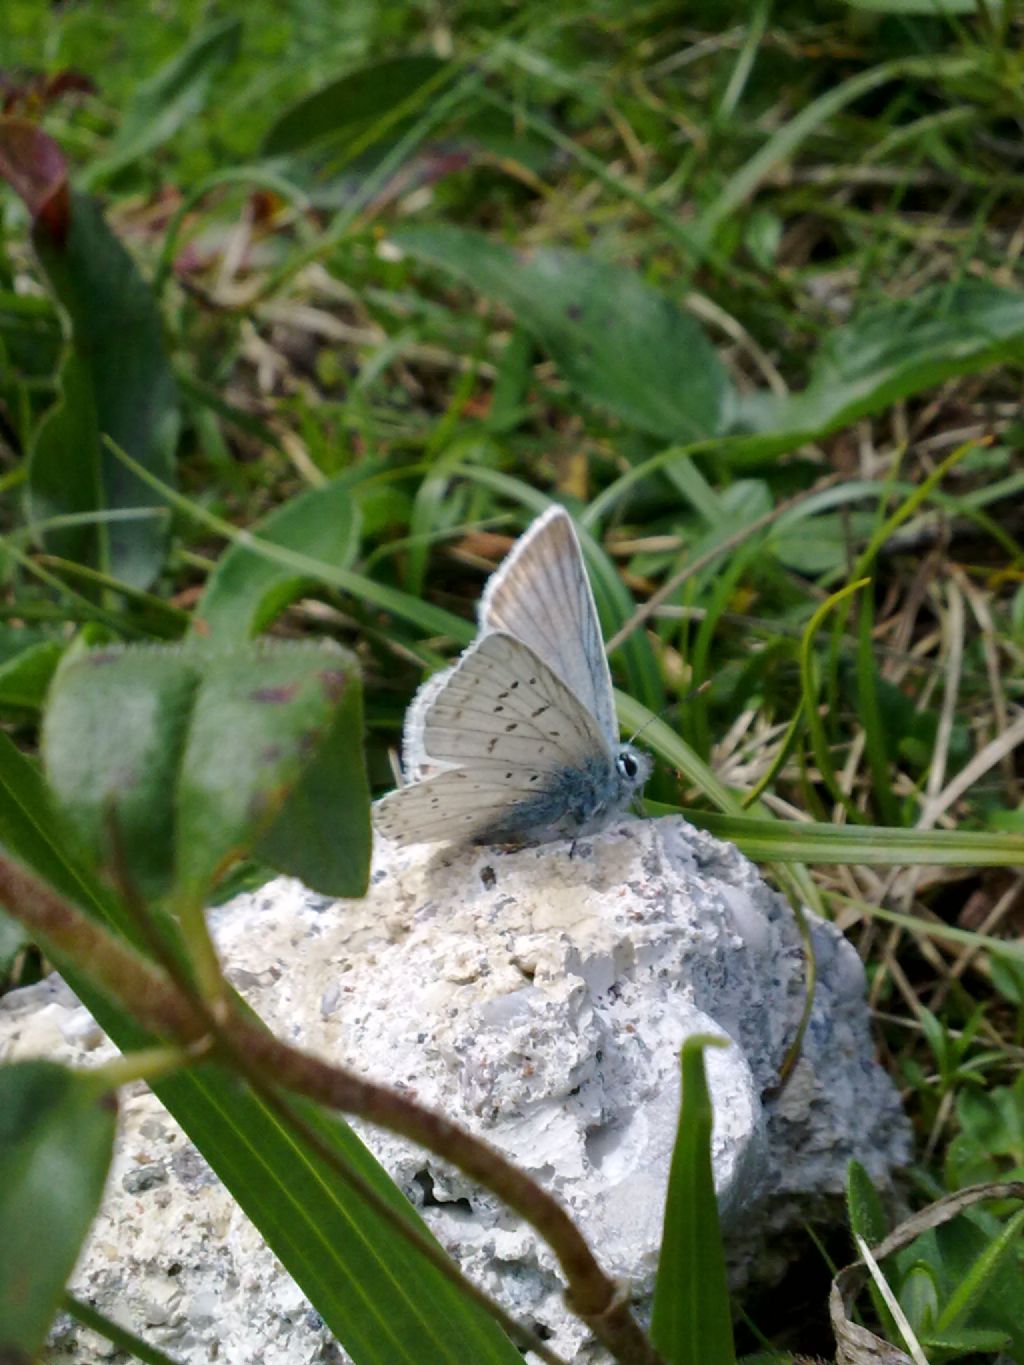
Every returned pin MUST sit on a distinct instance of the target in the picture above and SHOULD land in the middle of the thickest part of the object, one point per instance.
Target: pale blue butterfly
(517, 741)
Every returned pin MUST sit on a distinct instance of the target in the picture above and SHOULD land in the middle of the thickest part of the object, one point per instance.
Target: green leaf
(113, 734)
(691, 1321)
(375, 1293)
(116, 382)
(868, 1220)
(247, 590)
(171, 98)
(985, 1274)
(864, 1207)
(966, 1341)
(892, 351)
(619, 343)
(271, 725)
(171, 764)
(350, 105)
(25, 677)
(56, 1137)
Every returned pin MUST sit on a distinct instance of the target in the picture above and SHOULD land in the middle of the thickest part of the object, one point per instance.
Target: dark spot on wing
(539, 711)
(513, 726)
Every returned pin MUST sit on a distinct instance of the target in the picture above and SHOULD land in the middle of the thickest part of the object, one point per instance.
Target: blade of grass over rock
(377, 1295)
(56, 1139)
(691, 1321)
(619, 343)
(116, 1334)
(805, 841)
(115, 380)
(246, 590)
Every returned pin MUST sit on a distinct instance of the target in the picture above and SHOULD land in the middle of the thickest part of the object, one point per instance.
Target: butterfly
(517, 742)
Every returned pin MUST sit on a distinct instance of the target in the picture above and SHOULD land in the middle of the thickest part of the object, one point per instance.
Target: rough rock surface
(539, 999)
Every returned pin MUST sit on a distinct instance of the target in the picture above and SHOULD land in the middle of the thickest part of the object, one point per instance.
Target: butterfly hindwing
(456, 806)
(541, 595)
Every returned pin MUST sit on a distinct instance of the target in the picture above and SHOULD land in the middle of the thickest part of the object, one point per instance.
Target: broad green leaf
(691, 1322)
(270, 725)
(169, 99)
(113, 733)
(920, 1296)
(316, 836)
(247, 590)
(891, 351)
(56, 1137)
(171, 764)
(24, 677)
(350, 105)
(116, 382)
(375, 1293)
(619, 343)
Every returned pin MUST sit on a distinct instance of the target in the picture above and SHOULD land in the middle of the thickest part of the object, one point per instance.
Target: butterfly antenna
(667, 707)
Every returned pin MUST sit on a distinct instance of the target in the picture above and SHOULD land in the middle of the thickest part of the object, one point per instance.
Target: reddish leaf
(34, 166)
(38, 89)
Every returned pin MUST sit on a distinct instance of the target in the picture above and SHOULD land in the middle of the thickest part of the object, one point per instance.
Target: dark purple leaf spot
(334, 682)
(275, 694)
(574, 312)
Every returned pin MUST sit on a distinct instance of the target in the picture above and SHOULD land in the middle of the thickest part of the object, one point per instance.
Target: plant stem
(159, 1006)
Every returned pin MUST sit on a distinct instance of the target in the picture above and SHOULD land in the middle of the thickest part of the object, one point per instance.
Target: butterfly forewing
(503, 707)
(541, 596)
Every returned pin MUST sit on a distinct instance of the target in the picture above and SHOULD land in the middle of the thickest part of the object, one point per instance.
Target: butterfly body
(516, 742)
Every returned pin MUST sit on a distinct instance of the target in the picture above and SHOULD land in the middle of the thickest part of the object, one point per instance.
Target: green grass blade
(871, 845)
(428, 618)
(377, 1295)
(691, 1322)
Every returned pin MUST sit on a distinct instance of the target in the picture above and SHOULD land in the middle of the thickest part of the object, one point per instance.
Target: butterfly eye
(628, 766)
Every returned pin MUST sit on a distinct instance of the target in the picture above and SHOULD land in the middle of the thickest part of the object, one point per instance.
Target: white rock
(540, 1000)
